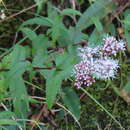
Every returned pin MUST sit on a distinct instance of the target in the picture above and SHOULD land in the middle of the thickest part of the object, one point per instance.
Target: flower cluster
(96, 62)
(83, 74)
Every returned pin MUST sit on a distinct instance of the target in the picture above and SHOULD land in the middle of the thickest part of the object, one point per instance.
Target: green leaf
(70, 12)
(64, 38)
(126, 12)
(18, 54)
(18, 69)
(8, 122)
(127, 29)
(6, 114)
(52, 89)
(110, 28)
(19, 94)
(43, 21)
(98, 24)
(38, 59)
(127, 87)
(57, 28)
(40, 4)
(75, 35)
(41, 42)
(15, 82)
(29, 33)
(72, 101)
(99, 9)
(95, 38)
(65, 62)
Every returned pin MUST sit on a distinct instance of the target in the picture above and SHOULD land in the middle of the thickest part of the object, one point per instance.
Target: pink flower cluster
(83, 74)
(112, 46)
(96, 62)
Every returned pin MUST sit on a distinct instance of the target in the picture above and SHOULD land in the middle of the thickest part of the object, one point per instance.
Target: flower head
(96, 62)
(105, 68)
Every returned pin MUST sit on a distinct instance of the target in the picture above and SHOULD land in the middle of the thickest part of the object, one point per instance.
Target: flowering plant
(97, 62)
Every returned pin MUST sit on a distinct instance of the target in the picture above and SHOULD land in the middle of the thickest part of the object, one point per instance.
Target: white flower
(121, 46)
(87, 52)
(2, 16)
(105, 68)
(96, 62)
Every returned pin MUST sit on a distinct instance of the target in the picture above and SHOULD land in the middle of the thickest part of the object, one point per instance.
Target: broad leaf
(53, 85)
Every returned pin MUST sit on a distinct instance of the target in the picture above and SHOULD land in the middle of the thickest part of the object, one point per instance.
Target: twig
(15, 38)
(18, 13)
(119, 10)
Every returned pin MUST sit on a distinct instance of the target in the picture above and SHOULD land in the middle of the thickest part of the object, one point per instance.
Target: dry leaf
(125, 95)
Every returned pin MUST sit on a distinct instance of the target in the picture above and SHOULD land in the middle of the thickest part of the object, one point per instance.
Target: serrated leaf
(16, 84)
(70, 12)
(71, 100)
(52, 89)
(43, 21)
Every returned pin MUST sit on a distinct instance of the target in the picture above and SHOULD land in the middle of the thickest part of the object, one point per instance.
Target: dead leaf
(125, 95)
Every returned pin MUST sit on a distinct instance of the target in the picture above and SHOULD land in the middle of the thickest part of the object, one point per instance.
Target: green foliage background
(38, 52)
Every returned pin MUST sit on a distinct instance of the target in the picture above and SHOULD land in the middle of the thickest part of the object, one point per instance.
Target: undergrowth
(38, 52)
